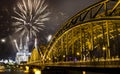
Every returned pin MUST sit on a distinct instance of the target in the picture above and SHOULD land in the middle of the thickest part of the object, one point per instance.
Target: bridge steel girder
(87, 38)
(87, 32)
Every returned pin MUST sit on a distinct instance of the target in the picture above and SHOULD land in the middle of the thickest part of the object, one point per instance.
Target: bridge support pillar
(108, 41)
(108, 53)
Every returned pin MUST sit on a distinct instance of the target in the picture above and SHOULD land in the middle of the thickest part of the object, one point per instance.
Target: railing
(100, 63)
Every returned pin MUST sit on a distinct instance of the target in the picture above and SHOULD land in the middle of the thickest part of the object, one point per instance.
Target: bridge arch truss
(92, 33)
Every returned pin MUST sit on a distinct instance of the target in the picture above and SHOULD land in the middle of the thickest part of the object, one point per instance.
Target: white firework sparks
(30, 16)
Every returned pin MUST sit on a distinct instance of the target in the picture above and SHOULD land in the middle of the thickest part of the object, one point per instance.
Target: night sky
(61, 11)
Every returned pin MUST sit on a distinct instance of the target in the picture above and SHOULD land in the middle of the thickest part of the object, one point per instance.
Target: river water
(72, 72)
(50, 72)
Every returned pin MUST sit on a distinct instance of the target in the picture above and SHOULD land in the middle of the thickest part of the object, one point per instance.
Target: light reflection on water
(40, 73)
(36, 71)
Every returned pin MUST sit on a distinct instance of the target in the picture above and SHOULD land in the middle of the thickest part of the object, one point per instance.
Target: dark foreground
(63, 71)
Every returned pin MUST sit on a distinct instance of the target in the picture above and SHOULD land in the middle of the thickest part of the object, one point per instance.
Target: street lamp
(104, 48)
(78, 53)
(104, 52)
(63, 56)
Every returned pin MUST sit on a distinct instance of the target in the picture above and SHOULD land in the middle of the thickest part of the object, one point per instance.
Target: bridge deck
(105, 63)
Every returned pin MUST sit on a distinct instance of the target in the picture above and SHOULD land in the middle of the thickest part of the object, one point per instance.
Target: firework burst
(29, 17)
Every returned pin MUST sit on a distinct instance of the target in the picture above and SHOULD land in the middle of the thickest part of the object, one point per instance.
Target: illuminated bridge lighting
(92, 35)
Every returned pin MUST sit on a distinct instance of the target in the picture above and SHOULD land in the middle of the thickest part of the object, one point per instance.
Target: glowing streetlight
(78, 53)
(104, 52)
(63, 56)
(49, 58)
(104, 48)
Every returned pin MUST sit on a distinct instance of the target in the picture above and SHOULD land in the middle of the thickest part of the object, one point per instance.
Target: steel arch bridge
(91, 34)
